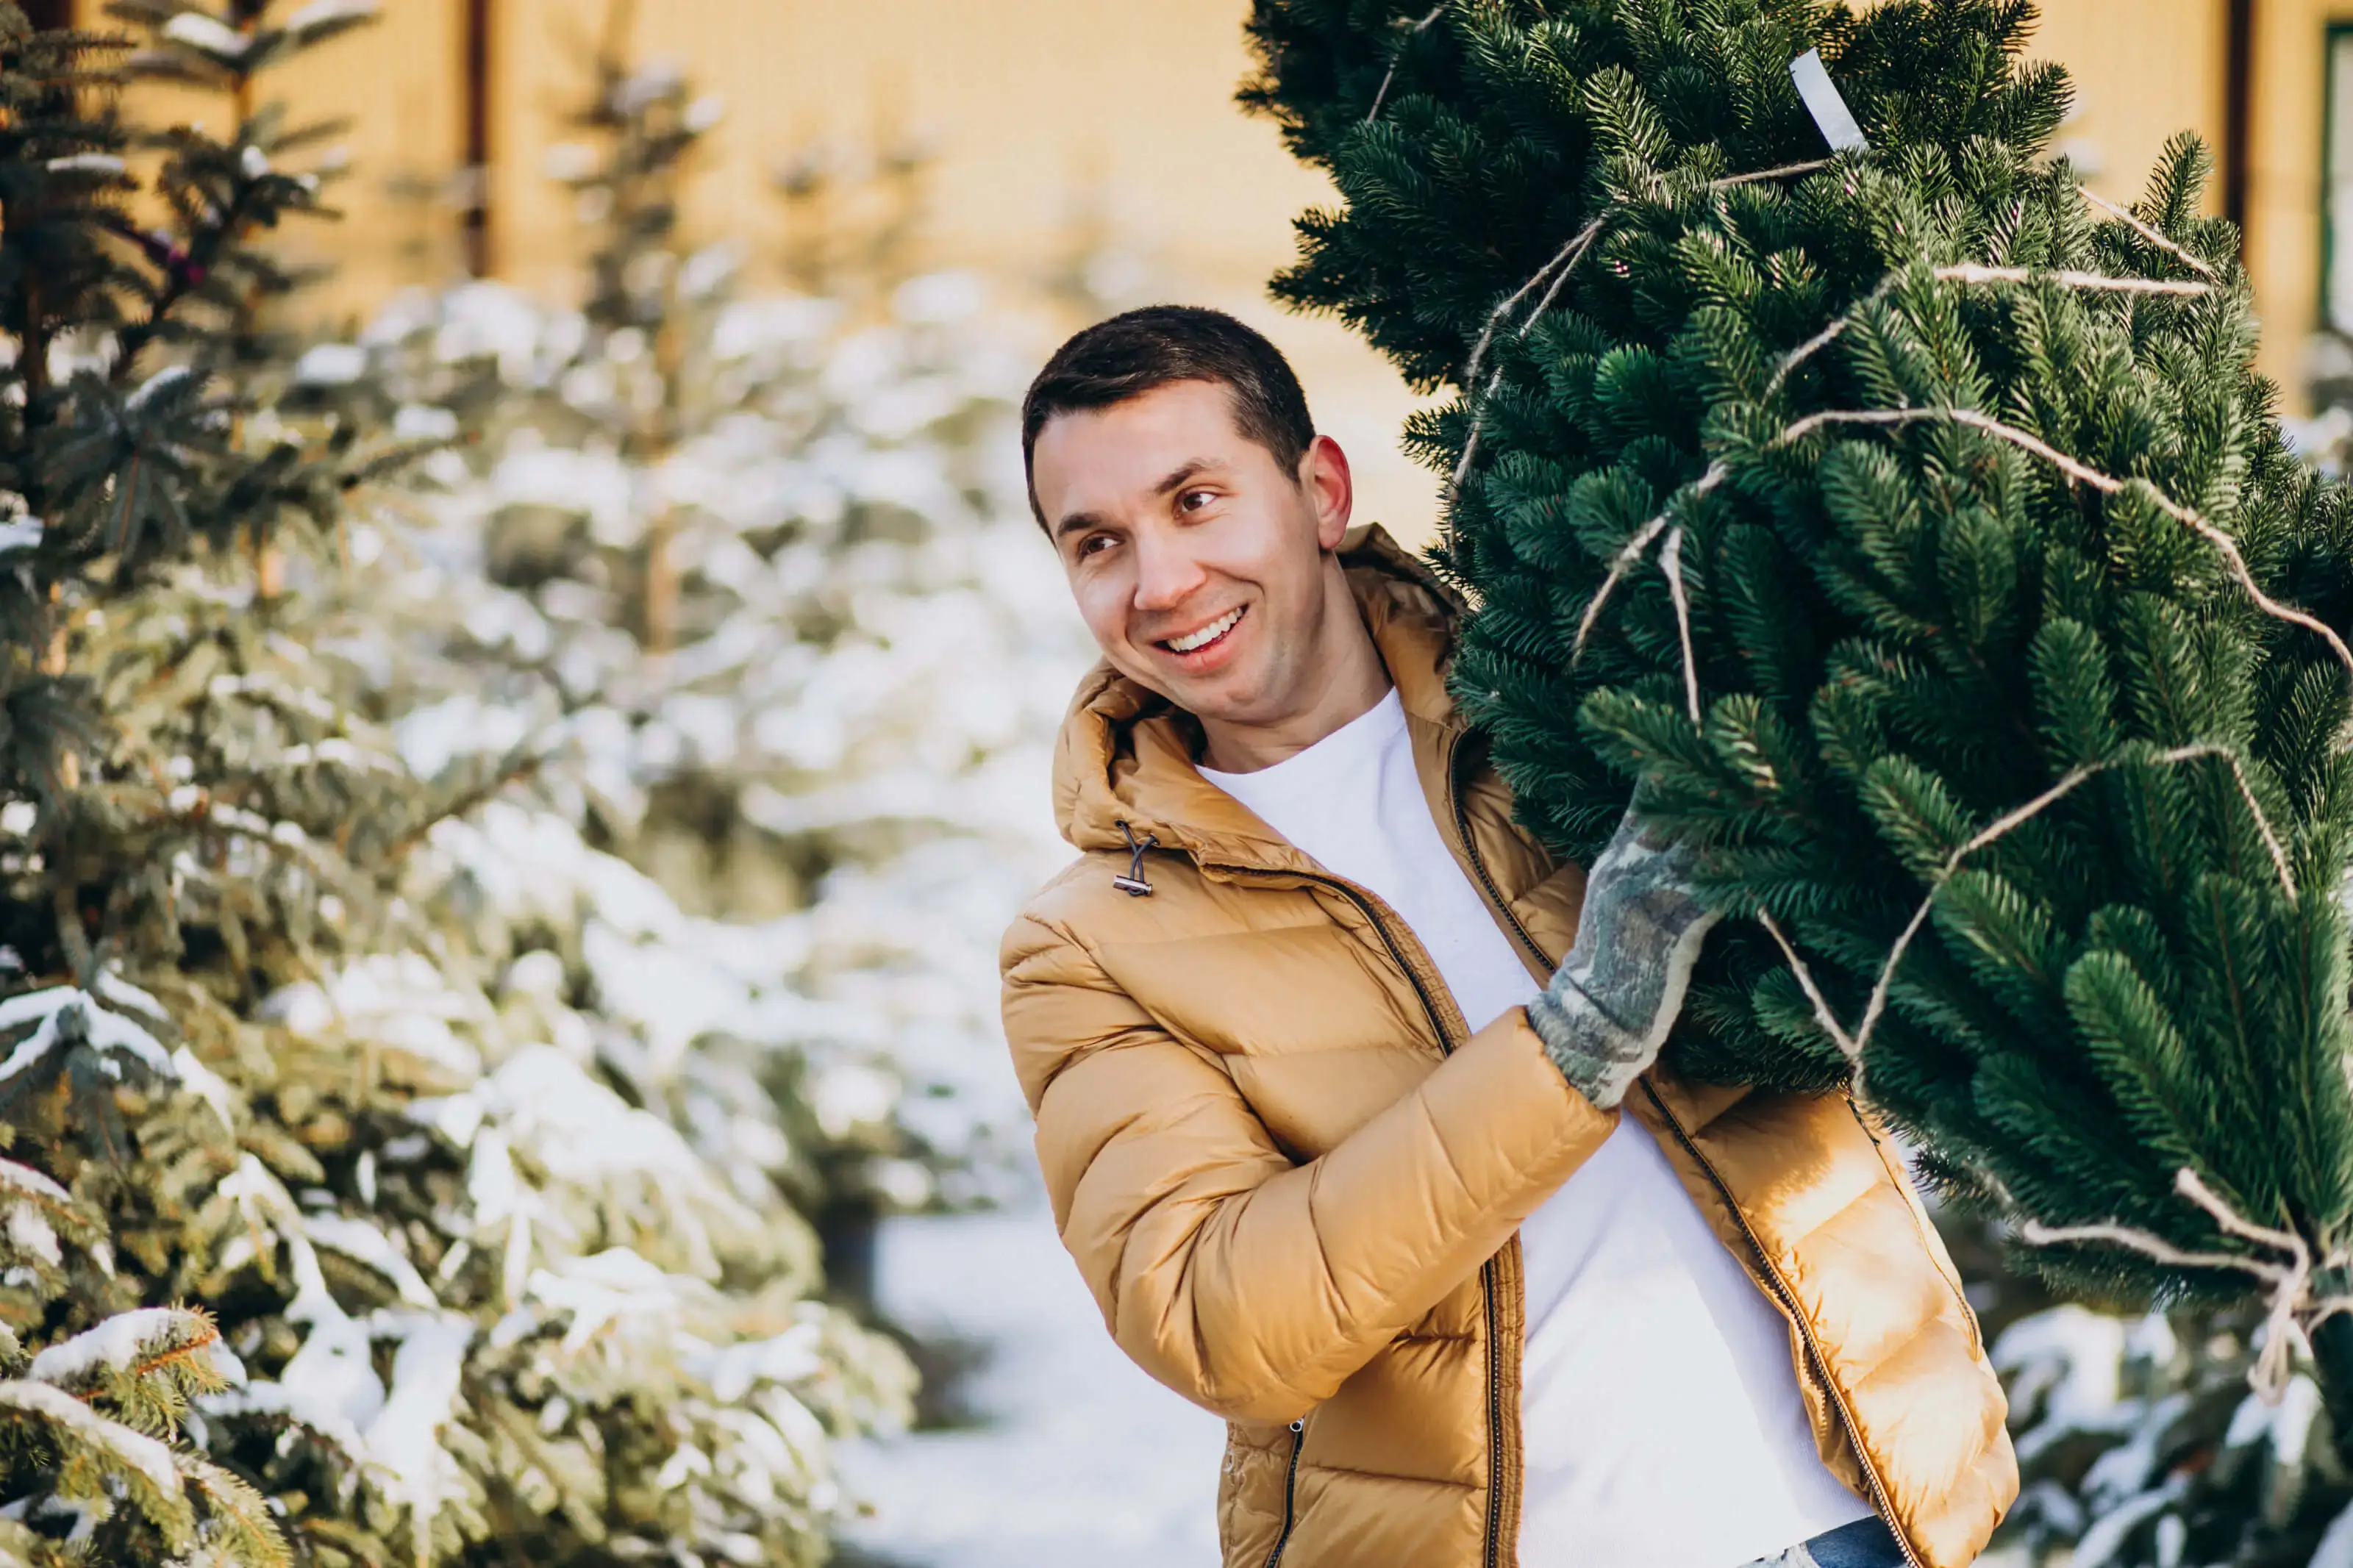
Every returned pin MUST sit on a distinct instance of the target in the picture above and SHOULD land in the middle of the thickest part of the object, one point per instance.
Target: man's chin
(1228, 696)
(1233, 704)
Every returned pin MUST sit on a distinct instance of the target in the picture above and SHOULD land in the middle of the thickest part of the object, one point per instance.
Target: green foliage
(1934, 664)
(266, 1049)
(87, 1427)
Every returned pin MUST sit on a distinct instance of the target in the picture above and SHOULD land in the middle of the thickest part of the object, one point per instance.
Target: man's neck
(1344, 679)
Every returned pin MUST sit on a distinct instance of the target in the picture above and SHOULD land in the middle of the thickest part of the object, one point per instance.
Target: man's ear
(1323, 473)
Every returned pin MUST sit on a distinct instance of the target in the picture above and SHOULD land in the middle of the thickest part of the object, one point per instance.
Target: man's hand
(1614, 997)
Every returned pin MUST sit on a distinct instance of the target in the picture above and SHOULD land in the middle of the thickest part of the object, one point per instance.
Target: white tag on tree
(1823, 101)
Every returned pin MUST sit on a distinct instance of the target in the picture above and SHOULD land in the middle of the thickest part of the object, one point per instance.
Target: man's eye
(1194, 500)
(1093, 544)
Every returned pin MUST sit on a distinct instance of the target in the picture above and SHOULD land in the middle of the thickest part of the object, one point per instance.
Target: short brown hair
(1138, 351)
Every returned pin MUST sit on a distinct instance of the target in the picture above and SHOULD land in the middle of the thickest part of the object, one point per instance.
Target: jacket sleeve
(1250, 1285)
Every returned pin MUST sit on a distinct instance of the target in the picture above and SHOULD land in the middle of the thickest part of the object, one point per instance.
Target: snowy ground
(1083, 1460)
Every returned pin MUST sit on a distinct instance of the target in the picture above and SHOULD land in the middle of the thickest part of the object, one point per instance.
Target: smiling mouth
(1215, 632)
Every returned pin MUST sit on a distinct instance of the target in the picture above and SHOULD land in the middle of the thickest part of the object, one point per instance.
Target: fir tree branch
(2148, 233)
(1397, 58)
(1853, 1045)
(1559, 270)
(2083, 473)
(1969, 273)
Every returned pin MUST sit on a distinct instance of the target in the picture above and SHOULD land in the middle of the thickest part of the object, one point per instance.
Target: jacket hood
(1126, 755)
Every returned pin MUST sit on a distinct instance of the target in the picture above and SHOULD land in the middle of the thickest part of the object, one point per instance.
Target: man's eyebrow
(1076, 522)
(1182, 474)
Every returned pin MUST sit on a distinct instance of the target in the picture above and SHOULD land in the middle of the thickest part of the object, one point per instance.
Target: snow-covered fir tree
(749, 580)
(2140, 1444)
(270, 1047)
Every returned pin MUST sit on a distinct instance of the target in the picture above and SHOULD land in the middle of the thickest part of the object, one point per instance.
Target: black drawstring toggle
(1133, 884)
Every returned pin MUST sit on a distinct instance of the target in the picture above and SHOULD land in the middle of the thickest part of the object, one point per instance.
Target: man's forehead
(1200, 414)
(1089, 457)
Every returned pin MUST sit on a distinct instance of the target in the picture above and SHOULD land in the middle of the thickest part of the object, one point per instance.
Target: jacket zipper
(1479, 867)
(1488, 1289)
(1486, 1270)
(1290, 1492)
(1788, 1302)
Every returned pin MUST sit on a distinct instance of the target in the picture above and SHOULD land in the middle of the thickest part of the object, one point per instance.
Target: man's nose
(1165, 573)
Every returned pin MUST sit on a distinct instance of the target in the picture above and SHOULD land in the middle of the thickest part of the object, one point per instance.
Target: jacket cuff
(1501, 1091)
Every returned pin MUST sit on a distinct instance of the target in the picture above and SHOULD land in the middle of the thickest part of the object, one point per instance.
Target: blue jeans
(1865, 1543)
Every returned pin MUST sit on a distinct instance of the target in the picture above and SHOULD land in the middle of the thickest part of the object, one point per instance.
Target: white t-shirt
(1659, 1413)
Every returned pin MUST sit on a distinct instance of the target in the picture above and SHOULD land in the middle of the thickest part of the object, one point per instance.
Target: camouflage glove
(1614, 997)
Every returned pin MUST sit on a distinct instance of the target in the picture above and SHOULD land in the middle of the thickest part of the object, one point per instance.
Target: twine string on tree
(1398, 56)
(2294, 1308)
(2149, 232)
(1639, 542)
(1556, 272)
(1853, 1044)
(1973, 272)
(1671, 562)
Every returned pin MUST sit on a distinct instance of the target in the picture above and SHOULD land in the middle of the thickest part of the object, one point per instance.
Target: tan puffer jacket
(1294, 1179)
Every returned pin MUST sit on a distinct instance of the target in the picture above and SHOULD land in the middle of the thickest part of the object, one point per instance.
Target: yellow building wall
(2284, 180)
(2144, 70)
(399, 86)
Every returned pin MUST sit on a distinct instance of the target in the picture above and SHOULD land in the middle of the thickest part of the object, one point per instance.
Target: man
(1346, 1092)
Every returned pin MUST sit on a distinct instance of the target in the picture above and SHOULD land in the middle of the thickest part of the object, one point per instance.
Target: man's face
(1196, 560)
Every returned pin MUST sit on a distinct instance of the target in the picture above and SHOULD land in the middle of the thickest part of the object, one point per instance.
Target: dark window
(2336, 194)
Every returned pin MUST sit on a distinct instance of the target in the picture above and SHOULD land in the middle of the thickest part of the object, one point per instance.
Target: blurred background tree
(755, 577)
(269, 1048)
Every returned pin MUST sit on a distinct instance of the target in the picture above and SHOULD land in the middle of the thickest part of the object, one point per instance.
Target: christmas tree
(268, 1049)
(1843, 483)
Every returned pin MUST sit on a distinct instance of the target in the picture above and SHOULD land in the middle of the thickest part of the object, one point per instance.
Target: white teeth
(1206, 635)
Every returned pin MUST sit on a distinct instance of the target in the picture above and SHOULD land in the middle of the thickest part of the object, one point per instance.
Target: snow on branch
(65, 1012)
(133, 1451)
(132, 1344)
